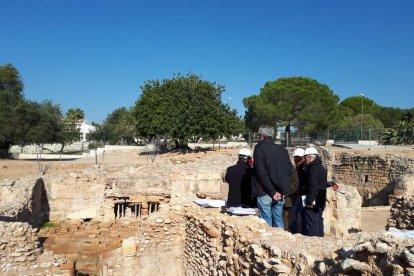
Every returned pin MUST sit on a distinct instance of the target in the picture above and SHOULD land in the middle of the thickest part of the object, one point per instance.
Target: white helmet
(245, 152)
(299, 152)
(309, 151)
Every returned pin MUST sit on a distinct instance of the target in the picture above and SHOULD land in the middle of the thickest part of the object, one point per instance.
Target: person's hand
(277, 196)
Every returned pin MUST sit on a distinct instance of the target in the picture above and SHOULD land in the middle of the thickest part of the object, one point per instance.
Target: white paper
(402, 234)
(210, 203)
(304, 201)
(241, 211)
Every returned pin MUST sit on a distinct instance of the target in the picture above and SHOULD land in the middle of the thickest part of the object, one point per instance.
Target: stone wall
(375, 177)
(91, 193)
(342, 214)
(19, 246)
(156, 249)
(402, 213)
(24, 200)
(217, 244)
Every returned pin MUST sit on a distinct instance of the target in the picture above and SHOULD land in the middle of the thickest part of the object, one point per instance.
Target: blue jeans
(296, 215)
(271, 211)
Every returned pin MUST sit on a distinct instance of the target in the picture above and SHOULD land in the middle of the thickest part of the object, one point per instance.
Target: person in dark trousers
(315, 199)
(302, 175)
(239, 177)
(290, 200)
(272, 168)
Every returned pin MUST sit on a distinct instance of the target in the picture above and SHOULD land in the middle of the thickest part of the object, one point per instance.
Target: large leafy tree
(24, 122)
(296, 101)
(352, 106)
(11, 96)
(359, 109)
(369, 122)
(183, 108)
(119, 127)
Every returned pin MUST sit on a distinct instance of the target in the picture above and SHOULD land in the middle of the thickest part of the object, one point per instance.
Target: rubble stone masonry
(376, 177)
(218, 244)
(402, 213)
(19, 246)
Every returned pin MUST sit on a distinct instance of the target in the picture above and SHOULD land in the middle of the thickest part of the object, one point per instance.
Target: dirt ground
(373, 219)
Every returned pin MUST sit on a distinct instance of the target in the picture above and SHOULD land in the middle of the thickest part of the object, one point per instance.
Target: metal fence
(297, 138)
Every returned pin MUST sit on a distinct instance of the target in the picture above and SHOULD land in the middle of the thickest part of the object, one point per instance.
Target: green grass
(48, 225)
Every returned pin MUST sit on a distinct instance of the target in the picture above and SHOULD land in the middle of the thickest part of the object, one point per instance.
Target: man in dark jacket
(315, 199)
(272, 168)
(239, 177)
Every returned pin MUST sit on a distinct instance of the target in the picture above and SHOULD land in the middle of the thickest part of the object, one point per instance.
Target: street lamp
(362, 110)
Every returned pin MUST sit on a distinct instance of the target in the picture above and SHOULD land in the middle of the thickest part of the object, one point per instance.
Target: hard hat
(299, 152)
(245, 152)
(311, 151)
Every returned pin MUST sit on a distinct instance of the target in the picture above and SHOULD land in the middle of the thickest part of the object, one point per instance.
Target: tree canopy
(296, 101)
(11, 98)
(118, 127)
(24, 122)
(184, 108)
(352, 106)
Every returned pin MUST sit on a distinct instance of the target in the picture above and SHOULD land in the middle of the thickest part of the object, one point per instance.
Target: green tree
(368, 122)
(183, 108)
(24, 122)
(296, 101)
(352, 106)
(389, 116)
(11, 96)
(119, 126)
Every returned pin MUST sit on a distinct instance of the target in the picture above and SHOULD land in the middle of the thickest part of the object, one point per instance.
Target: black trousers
(312, 222)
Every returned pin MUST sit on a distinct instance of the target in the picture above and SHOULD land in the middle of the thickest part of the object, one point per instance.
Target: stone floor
(87, 244)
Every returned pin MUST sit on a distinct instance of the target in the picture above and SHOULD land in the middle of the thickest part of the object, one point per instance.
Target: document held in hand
(304, 201)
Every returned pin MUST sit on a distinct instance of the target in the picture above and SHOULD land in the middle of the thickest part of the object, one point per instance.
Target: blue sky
(94, 55)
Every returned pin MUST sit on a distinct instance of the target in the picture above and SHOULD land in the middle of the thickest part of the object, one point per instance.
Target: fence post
(369, 134)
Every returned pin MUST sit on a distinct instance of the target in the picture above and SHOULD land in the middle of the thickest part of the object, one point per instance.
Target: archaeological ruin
(138, 218)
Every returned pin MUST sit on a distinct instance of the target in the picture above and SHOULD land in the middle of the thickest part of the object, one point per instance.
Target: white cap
(311, 151)
(245, 152)
(299, 152)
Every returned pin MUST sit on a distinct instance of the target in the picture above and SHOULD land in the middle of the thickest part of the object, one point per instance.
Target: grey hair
(266, 131)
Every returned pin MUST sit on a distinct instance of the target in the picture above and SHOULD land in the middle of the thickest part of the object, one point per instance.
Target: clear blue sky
(94, 55)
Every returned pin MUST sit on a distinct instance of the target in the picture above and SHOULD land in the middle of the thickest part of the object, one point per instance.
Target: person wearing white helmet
(299, 160)
(239, 177)
(273, 169)
(315, 198)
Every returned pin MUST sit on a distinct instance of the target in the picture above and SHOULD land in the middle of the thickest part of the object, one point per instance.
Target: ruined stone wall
(223, 245)
(156, 248)
(402, 213)
(75, 195)
(93, 193)
(375, 177)
(19, 246)
(24, 200)
(342, 214)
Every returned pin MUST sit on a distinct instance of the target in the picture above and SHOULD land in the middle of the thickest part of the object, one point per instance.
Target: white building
(84, 129)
